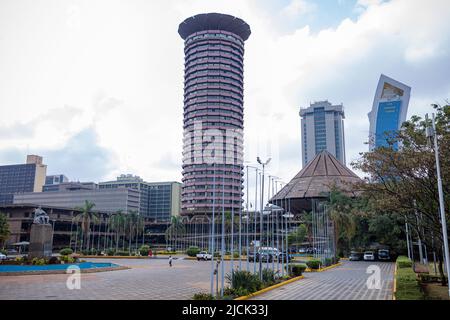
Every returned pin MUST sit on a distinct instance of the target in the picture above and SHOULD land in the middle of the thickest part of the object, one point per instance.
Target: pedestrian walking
(170, 261)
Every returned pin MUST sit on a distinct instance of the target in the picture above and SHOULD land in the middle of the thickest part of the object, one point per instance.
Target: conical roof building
(315, 182)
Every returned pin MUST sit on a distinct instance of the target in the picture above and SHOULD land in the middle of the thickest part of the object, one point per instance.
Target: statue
(40, 216)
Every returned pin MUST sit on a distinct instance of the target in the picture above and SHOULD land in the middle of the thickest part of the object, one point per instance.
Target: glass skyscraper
(213, 112)
(322, 128)
(389, 111)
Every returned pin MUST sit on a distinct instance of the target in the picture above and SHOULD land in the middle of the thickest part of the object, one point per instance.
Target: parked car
(251, 255)
(204, 255)
(283, 257)
(2, 256)
(384, 255)
(369, 256)
(355, 256)
(264, 256)
(302, 250)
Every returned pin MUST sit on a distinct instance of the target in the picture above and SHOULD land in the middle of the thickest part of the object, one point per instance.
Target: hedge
(297, 270)
(404, 262)
(408, 287)
(314, 264)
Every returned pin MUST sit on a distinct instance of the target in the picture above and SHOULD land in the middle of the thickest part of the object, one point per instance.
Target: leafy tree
(298, 236)
(4, 229)
(404, 181)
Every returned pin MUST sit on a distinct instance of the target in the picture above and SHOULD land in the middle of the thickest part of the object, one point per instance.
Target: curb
(61, 271)
(257, 293)
(394, 289)
(324, 269)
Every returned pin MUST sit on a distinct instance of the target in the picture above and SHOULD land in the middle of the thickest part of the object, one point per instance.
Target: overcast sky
(96, 86)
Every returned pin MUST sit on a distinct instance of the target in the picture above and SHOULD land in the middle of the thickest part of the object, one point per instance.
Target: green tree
(4, 229)
(404, 181)
(175, 230)
(86, 216)
(298, 236)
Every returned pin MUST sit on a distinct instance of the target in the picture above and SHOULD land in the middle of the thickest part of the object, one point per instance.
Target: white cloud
(298, 7)
(121, 66)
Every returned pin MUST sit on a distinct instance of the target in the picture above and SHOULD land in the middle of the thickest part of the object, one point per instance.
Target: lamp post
(431, 135)
(263, 164)
(212, 230)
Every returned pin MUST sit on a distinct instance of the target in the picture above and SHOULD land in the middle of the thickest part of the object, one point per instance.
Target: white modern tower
(389, 111)
(322, 128)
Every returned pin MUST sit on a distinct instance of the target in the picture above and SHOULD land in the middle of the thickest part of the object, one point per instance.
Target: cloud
(121, 72)
(298, 7)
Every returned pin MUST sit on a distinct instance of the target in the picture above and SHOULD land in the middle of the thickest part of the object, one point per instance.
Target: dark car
(383, 255)
(251, 256)
(355, 256)
(283, 257)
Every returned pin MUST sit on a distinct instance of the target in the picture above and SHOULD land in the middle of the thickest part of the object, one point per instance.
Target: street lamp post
(431, 134)
(263, 164)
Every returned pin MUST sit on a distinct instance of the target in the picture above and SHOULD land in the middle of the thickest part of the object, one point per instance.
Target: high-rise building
(213, 112)
(18, 178)
(389, 111)
(322, 128)
(157, 200)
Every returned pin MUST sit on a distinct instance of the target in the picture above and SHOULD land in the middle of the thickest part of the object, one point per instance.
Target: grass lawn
(435, 291)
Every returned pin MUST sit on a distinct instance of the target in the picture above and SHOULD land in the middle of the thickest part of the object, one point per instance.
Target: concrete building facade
(213, 113)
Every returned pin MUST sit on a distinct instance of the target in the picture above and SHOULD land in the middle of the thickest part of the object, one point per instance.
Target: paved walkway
(346, 282)
(146, 280)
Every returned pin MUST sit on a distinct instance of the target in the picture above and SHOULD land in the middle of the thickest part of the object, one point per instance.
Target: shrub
(192, 251)
(53, 260)
(268, 276)
(85, 252)
(65, 251)
(144, 250)
(327, 262)
(244, 280)
(202, 296)
(314, 264)
(236, 255)
(38, 262)
(296, 270)
(404, 262)
(121, 253)
(408, 287)
(230, 293)
(110, 252)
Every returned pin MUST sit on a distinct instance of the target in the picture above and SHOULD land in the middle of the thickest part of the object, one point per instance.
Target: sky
(96, 86)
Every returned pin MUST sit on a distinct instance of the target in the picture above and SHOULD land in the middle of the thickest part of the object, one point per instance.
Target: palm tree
(85, 215)
(132, 222)
(117, 222)
(175, 229)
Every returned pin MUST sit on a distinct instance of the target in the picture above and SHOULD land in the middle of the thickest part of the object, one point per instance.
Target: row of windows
(222, 85)
(209, 77)
(217, 97)
(213, 81)
(214, 111)
(211, 117)
(215, 124)
(226, 62)
(212, 92)
(209, 35)
(214, 55)
(211, 103)
(214, 45)
(223, 67)
(213, 74)
(203, 201)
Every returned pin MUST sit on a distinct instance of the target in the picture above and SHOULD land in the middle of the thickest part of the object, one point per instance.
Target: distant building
(389, 111)
(69, 186)
(124, 199)
(56, 179)
(322, 128)
(28, 177)
(157, 200)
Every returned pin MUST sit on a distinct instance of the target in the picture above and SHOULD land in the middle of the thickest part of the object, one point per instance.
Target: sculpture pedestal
(41, 241)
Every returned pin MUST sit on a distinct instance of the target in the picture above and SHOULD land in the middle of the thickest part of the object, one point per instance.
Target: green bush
(121, 253)
(110, 252)
(296, 270)
(53, 260)
(144, 250)
(268, 276)
(65, 251)
(193, 251)
(314, 264)
(408, 287)
(327, 262)
(236, 255)
(244, 280)
(202, 296)
(230, 293)
(404, 262)
(38, 262)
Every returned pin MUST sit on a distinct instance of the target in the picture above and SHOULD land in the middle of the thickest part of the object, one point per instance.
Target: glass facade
(388, 118)
(16, 179)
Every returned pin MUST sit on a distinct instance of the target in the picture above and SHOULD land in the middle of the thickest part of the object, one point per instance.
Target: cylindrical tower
(213, 113)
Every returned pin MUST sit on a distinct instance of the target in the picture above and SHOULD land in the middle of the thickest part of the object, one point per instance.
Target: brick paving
(146, 280)
(346, 282)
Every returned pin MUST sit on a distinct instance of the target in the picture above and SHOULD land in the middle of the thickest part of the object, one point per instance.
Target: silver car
(369, 256)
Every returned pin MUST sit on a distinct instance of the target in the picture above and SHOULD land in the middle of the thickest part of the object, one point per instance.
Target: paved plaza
(153, 280)
(146, 280)
(346, 282)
